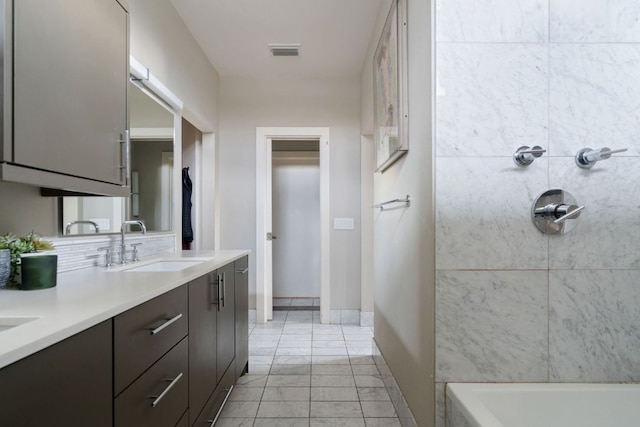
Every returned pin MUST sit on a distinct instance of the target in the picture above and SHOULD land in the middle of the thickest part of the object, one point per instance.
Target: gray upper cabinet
(65, 94)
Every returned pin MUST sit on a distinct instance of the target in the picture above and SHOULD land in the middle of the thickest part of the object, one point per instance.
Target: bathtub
(542, 405)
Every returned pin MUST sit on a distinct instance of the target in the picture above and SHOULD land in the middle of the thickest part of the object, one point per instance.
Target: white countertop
(84, 298)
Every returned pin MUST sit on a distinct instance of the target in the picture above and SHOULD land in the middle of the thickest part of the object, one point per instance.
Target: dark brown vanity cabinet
(170, 361)
(67, 384)
(226, 321)
(203, 309)
(242, 315)
(212, 351)
(151, 373)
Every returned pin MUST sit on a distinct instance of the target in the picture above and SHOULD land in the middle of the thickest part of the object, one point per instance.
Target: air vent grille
(284, 49)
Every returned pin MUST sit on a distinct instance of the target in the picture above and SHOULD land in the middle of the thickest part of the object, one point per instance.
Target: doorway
(264, 215)
(296, 225)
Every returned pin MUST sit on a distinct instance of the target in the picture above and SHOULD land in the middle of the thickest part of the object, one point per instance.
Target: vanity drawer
(160, 396)
(143, 334)
(214, 404)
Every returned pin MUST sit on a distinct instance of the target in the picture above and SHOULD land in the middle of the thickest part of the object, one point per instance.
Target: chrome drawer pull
(224, 402)
(165, 324)
(243, 271)
(157, 399)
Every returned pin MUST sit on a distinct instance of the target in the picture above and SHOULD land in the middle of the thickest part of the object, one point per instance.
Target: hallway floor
(303, 373)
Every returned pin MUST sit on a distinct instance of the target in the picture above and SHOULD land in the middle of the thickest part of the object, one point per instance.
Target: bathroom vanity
(159, 343)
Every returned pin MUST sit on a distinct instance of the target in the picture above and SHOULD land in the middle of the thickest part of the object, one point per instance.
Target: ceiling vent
(291, 49)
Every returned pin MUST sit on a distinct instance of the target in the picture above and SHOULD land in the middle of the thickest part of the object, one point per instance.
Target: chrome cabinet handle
(224, 402)
(168, 322)
(126, 141)
(219, 290)
(245, 271)
(569, 214)
(157, 399)
(224, 287)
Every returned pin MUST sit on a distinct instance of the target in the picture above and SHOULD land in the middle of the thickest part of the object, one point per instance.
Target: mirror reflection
(151, 133)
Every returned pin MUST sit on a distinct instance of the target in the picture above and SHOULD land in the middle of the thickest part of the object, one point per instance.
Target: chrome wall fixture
(552, 211)
(525, 155)
(406, 203)
(588, 157)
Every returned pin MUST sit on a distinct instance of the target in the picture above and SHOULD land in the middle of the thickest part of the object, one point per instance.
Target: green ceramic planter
(38, 271)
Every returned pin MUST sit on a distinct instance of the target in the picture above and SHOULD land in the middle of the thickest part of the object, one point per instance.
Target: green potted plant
(5, 262)
(36, 271)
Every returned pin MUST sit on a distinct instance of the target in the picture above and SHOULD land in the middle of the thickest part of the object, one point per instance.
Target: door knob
(271, 236)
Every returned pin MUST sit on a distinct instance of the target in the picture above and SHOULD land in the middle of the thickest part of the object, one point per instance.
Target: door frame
(264, 287)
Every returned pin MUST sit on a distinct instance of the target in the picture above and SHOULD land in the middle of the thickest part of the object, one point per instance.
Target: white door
(296, 222)
(264, 281)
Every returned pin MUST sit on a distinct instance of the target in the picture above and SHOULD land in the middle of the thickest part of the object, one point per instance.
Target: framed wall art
(390, 118)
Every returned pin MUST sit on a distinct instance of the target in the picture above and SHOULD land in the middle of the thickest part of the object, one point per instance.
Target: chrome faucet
(72, 223)
(123, 227)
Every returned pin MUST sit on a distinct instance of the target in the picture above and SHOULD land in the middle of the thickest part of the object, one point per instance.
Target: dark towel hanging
(187, 189)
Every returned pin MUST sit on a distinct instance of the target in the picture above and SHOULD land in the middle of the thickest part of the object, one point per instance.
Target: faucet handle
(134, 256)
(107, 255)
(587, 157)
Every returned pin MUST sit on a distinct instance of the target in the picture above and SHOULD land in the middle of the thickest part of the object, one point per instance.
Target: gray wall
(403, 239)
(161, 42)
(514, 304)
(281, 102)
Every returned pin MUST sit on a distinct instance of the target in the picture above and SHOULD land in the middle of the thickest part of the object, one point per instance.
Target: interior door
(268, 254)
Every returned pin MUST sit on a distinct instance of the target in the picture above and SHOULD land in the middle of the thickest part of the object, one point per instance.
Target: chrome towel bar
(406, 202)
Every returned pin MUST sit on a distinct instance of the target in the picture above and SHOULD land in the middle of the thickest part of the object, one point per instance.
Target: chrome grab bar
(406, 201)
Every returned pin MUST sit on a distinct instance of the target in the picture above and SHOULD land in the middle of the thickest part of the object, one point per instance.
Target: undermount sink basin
(164, 266)
(7, 323)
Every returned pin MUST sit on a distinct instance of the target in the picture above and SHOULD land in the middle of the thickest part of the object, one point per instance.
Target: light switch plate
(343, 223)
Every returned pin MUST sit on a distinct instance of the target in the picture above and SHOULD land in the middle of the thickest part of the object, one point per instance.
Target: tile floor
(303, 373)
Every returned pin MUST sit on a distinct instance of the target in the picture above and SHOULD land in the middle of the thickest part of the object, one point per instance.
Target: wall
(296, 223)
(403, 253)
(160, 41)
(514, 304)
(23, 210)
(280, 102)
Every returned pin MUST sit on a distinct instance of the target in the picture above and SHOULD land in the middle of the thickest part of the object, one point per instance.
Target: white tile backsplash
(593, 98)
(560, 74)
(491, 326)
(593, 326)
(607, 232)
(595, 21)
(492, 98)
(492, 21)
(483, 214)
(78, 253)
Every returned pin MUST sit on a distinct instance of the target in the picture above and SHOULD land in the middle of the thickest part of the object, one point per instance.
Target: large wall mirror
(151, 123)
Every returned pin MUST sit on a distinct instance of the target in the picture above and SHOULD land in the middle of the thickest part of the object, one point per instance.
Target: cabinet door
(202, 341)
(70, 87)
(242, 315)
(226, 329)
(64, 385)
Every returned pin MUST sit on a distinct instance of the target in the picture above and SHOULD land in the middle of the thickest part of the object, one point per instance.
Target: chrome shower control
(525, 155)
(552, 211)
(587, 157)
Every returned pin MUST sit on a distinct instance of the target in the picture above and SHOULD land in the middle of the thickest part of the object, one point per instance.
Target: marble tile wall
(513, 304)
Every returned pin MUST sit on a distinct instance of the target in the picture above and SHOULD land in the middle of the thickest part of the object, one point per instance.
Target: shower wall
(513, 304)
